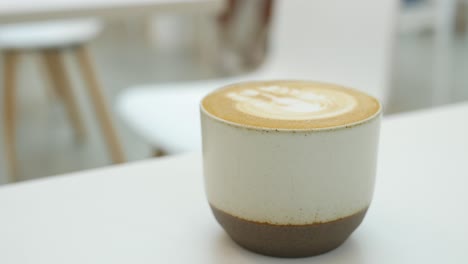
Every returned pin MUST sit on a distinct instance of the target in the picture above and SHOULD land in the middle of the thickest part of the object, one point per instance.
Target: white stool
(345, 42)
(50, 39)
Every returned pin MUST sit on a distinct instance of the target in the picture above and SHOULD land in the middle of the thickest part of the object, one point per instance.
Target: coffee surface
(290, 105)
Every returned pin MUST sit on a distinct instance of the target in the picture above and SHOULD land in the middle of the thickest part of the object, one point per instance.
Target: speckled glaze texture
(283, 185)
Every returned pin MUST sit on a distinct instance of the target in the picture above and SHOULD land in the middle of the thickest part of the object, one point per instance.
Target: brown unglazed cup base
(288, 241)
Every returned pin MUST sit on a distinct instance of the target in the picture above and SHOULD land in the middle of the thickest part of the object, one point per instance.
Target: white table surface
(25, 10)
(155, 211)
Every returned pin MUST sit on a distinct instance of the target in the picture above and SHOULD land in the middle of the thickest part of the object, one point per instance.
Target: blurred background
(81, 91)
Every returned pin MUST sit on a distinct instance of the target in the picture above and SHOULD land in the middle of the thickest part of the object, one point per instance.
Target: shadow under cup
(289, 193)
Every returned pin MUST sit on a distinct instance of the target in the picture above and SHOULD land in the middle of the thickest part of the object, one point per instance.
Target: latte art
(279, 102)
(290, 105)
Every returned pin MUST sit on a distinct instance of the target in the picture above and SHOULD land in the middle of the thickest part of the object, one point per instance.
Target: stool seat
(167, 117)
(50, 34)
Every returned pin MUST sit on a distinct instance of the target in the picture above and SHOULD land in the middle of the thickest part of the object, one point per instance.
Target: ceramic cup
(288, 192)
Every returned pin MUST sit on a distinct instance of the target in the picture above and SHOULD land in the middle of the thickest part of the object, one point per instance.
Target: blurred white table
(155, 211)
(25, 10)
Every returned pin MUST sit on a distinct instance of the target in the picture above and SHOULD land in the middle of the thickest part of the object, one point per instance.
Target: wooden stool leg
(58, 75)
(9, 112)
(99, 104)
(157, 153)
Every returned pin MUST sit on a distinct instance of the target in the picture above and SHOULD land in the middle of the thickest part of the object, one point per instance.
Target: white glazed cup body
(289, 177)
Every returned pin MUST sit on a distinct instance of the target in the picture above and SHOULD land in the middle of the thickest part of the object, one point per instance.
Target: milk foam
(286, 103)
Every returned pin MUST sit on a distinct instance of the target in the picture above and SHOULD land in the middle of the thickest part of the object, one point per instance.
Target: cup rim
(268, 129)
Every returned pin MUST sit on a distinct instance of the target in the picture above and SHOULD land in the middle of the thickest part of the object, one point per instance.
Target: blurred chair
(416, 16)
(242, 32)
(344, 42)
(50, 39)
(440, 17)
